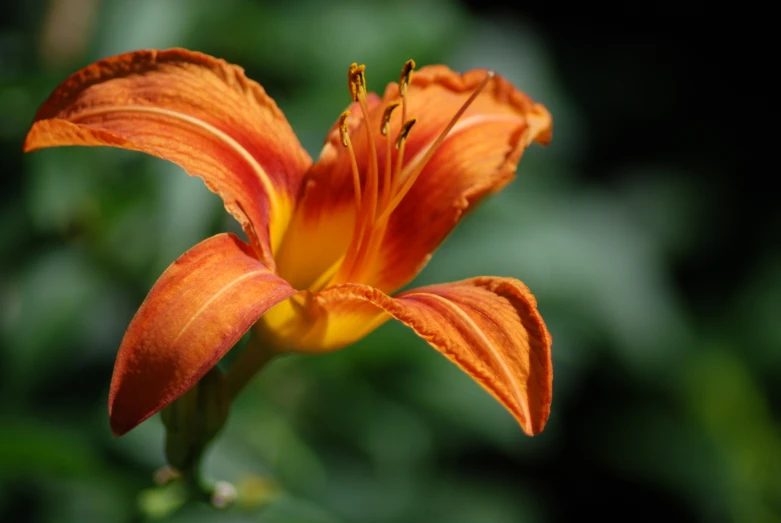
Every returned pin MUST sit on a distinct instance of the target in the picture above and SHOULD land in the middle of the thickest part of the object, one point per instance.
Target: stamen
(384, 129)
(356, 80)
(406, 74)
(386, 116)
(343, 127)
(367, 210)
(372, 209)
(404, 81)
(371, 247)
(410, 179)
(405, 129)
(354, 163)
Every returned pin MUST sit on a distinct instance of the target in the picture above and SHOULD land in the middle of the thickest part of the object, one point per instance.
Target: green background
(657, 270)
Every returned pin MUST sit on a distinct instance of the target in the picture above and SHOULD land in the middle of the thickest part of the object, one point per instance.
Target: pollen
(404, 132)
(343, 128)
(356, 81)
(406, 75)
(386, 117)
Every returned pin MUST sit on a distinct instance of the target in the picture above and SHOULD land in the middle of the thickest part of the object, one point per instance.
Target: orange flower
(328, 241)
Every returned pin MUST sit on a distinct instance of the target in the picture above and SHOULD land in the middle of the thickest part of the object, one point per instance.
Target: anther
(405, 129)
(343, 127)
(386, 116)
(406, 74)
(356, 80)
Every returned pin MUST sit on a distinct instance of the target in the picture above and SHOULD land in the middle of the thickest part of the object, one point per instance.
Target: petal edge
(194, 110)
(488, 327)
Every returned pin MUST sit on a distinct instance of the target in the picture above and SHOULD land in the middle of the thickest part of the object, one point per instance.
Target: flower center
(373, 207)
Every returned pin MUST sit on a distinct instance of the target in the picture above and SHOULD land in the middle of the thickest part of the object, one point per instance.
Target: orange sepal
(196, 111)
(198, 309)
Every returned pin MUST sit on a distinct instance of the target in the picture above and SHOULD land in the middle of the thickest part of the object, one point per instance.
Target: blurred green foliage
(655, 402)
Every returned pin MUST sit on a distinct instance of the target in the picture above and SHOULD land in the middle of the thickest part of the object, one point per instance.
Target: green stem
(193, 482)
(255, 356)
(191, 422)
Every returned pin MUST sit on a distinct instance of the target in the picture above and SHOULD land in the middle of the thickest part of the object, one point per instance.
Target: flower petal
(198, 309)
(489, 327)
(196, 111)
(478, 157)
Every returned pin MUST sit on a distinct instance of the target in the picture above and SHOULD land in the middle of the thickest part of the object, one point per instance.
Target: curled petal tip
(488, 327)
(118, 428)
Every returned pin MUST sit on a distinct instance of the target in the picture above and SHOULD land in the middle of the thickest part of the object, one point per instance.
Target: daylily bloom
(329, 241)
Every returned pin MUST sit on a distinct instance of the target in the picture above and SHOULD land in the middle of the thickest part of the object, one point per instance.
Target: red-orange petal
(478, 158)
(198, 309)
(489, 327)
(196, 111)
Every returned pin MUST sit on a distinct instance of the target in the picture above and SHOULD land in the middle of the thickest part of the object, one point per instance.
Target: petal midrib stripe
(211, 300)
(486, 343)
